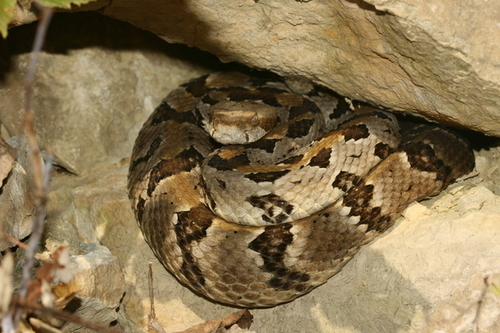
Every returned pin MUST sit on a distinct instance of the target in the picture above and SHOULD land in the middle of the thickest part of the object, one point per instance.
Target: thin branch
(153, 323)
(40, 177)
(66, 316)
(151, 291)
(29, 125)
(15, 241)
(475, 322)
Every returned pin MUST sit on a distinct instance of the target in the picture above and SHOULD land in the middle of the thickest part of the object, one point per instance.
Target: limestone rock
(91, 215)
(99, 274)
(476, 307)
(7, 159)
(93, 89)
(432, 58)
(90, 285)
(17, 202)
(431, 261)
(82, 214)
(418, 270)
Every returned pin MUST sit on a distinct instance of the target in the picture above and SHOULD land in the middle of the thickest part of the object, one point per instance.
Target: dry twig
(11, 320)
(153, 323)
(66, 316)
(475, 322)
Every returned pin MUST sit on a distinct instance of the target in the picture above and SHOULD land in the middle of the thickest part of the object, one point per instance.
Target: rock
(413, 56)
(475, 307)
(409, 56)
(400, 55)
(91, 215)
(81, 214)
(93, 88)
(406, 276)
(99, 275)
(431, 261)
(17, 201)
(90, 285)
(7, 159)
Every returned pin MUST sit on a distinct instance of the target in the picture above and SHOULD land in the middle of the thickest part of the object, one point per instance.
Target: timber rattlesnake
(287, 243)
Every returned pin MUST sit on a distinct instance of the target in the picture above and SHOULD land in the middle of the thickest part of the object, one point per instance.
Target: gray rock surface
(102, 282)
(436, 59)
(17, 200)
(93, 89)
(407, 280)
(430, 272)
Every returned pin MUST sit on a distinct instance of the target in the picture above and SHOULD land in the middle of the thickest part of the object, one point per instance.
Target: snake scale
(274, 243)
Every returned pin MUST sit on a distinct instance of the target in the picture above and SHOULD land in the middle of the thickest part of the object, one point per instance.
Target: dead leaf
(63, 272)
(39, 288)
(243, 319)
(64, 293)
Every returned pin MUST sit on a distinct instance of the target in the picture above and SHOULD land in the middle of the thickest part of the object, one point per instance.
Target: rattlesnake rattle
(251, 265)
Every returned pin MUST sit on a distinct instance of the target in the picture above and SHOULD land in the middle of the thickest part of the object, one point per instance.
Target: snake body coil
(285, 243)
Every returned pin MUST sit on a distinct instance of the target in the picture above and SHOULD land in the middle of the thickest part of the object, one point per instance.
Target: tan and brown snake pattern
(265, 265)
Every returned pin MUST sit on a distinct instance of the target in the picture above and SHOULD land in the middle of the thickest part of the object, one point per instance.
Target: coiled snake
(327, 186)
